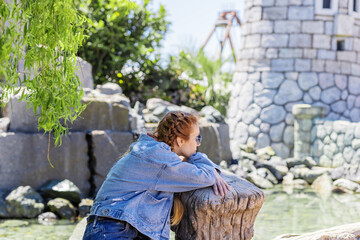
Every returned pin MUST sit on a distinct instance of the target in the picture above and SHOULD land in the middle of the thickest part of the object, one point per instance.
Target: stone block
(307, 80)
(23, 160)
(241, 133)
(302, 65)
(259, 53)
(326, 80)
(355, 115)
(281, 65)
(281, 150)
(292, 75)
(332, 66)
(301, 13)
(330, 95)
(272, 53)
(276, 132)
(259, 65)
(252, 113)
(321, 41)
(262, 141)
(315, 92)
(254, 14)
(252, 41)
(274, 13)
(107, 149)
(274, 40)
(281, 2)
(262, 27)
(264, 98)
(266, 3)
(271, 79)
(326, 54)
(344, 25)
(318, 65)
(290, 53)
(295, 2)
(300, 40)
(355, 69)
(84, 72)
(316, 27)
(287, 26)
(310, 53)
(345, 68)
(273, 114)
(348, 56)
(289, 91)
(329, 26)
(354, 85)
(339, 106)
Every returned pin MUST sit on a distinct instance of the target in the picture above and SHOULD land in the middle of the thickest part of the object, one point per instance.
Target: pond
(297, 211)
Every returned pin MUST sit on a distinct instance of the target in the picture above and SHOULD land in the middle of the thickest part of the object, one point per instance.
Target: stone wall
(291, 54)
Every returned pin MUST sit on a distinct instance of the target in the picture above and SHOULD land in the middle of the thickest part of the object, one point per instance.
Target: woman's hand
(220, 185)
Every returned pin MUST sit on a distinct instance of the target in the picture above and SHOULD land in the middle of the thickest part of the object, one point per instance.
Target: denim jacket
(140, 187)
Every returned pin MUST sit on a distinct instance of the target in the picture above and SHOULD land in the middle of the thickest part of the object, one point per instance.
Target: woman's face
(186, 148)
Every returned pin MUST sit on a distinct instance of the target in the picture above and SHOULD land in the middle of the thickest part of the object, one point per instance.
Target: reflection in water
(304, 211)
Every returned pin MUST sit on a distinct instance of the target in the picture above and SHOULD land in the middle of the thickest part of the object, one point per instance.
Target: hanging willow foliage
(43, 36)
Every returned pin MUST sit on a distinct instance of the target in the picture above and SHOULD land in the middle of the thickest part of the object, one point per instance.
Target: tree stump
(211, 217)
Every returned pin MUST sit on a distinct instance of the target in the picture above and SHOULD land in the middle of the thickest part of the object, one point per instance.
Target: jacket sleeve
(178, 176)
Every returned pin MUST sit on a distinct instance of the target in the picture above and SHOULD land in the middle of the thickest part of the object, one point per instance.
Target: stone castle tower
(294, 51)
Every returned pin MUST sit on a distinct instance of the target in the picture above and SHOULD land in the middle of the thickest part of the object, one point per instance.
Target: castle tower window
(327, 4)
(340, 45)
(356, 5)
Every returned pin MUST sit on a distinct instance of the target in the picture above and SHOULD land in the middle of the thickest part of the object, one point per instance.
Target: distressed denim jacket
(140, 187)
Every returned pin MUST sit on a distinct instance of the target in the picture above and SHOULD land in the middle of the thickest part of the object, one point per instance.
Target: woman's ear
(179, 141)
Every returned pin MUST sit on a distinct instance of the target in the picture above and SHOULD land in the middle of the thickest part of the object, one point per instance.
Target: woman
(135, 200)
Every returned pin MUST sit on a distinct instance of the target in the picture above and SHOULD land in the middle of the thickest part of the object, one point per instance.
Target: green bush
(121, 43)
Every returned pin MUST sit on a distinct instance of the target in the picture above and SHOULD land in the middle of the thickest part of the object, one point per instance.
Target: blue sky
(192, 22)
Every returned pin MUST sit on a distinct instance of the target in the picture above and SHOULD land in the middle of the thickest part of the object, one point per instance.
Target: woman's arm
(198, 172)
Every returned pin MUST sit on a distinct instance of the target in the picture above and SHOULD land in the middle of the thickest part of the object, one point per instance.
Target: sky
(192, 22)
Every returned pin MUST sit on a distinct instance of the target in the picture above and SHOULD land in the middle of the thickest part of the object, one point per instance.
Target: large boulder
(23, 160)
(208, 216)
(24, 202)
(61, 189)
(107, 149)
(62, 207)
(84, 72)
(347, 184)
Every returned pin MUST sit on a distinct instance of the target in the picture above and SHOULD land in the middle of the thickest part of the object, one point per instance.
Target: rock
(337, 173)
(24, 159)
(47, 218)
(273, 114)
(288, 179)
(343, 232)
(3, 205)
(250, 156)
(62, 207)
(84, 72)
(14, 224)
(61, 189)
(4, 124)
(216, 144)
(247, 165)
(292, 162)
(273, 169)
(24, 202)
(312, 174)
(259, 181)
(212, 115)
(347, 184)
(109, 89)
(207, 216)
(300, 183)
(85, 206)
(108, 147)
(266, 173)
(288, 92)
(276, 132)
(323, 185)
(269, 151)
(309, 162)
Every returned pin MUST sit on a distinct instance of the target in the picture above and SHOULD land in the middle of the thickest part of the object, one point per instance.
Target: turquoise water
(299, 212)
